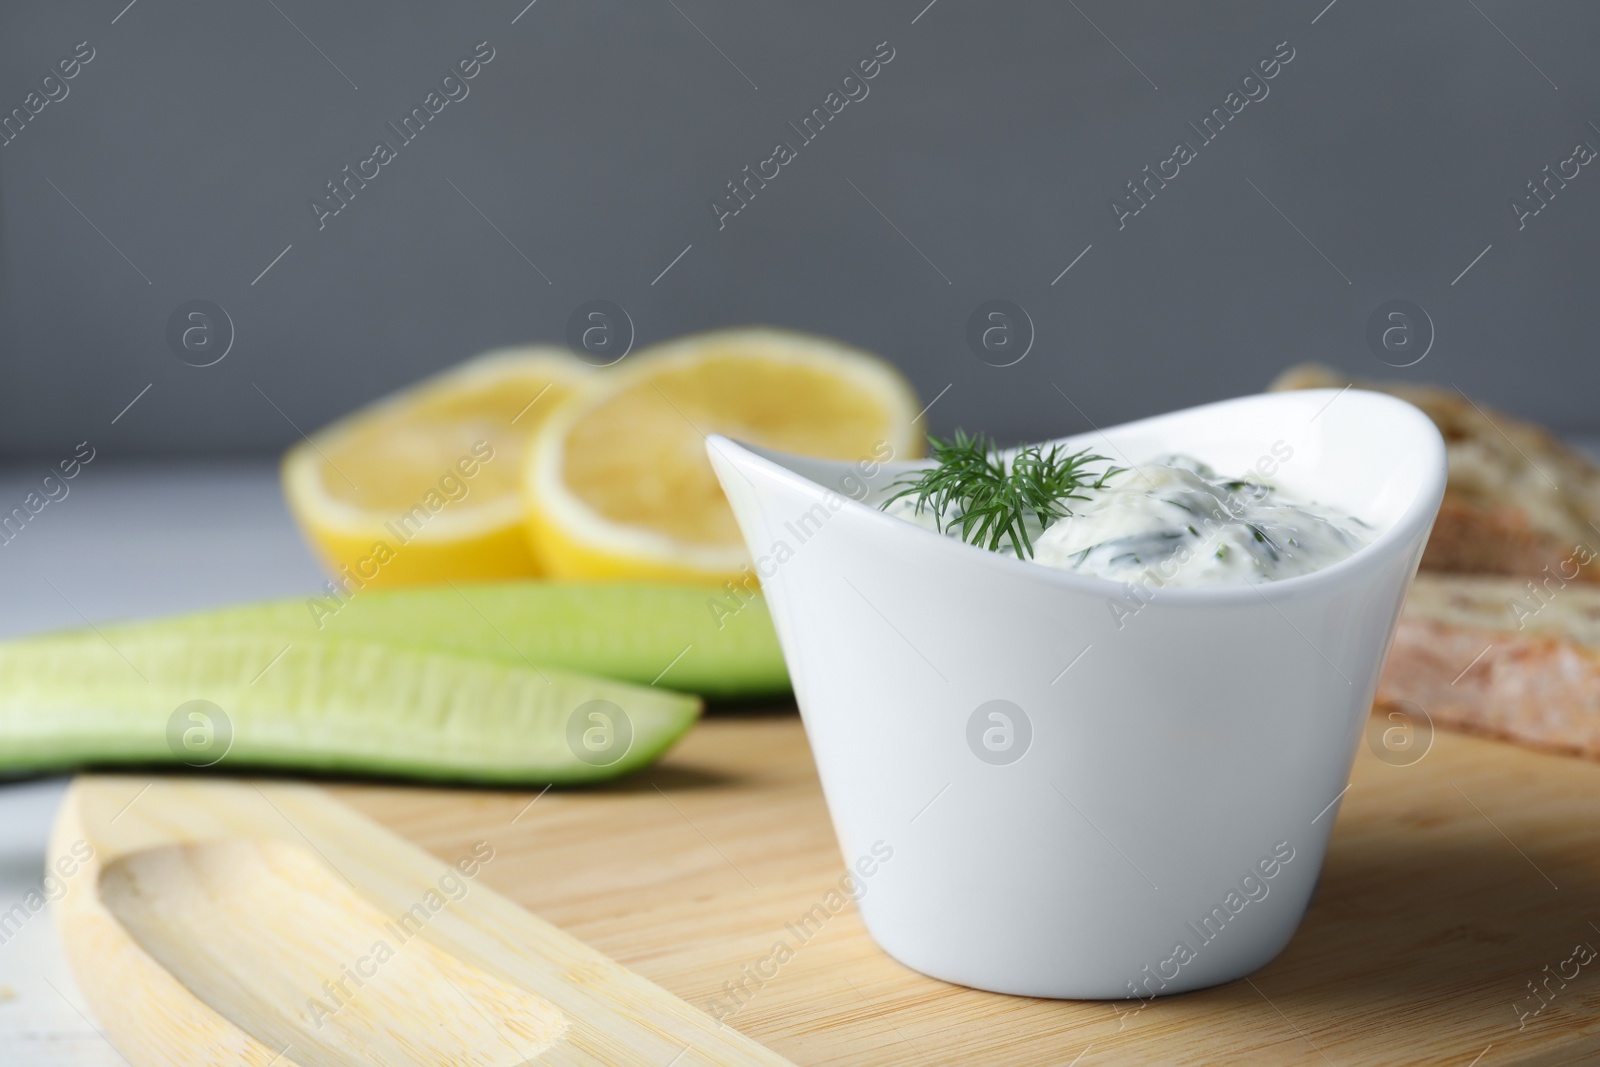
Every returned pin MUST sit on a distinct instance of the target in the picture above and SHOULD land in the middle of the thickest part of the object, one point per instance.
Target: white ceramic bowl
(1146, 808)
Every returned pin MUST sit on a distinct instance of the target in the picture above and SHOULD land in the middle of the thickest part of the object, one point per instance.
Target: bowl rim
(1415, 518)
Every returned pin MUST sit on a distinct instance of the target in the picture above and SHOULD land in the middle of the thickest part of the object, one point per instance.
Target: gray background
(992, 143)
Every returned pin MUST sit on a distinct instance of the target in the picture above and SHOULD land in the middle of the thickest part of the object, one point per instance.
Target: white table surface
(130, 540)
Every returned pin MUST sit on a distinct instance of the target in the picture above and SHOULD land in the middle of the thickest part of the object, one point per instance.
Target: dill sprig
(972, 487)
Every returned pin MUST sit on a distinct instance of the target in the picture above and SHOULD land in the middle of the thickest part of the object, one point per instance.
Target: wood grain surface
(1450, 886)
(213, 922)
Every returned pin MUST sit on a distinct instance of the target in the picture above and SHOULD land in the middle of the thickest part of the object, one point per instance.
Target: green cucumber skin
(323, 705)
(629, 632)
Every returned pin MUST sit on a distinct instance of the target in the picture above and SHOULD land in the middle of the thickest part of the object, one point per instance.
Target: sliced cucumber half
(331, 704)
(696, 639)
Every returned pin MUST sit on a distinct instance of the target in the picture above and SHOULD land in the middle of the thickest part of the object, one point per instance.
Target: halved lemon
(618, 483)
(424, 486)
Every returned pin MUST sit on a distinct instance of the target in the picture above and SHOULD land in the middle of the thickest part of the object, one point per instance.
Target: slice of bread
(1507, 657)
(1518, 502)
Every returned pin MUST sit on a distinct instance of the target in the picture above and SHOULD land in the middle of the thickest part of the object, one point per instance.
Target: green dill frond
(990, 500)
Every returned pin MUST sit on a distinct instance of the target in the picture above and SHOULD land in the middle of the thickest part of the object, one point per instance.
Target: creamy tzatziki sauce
(1175, 521)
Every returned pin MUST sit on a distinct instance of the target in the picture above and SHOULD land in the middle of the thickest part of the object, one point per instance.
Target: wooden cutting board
(212, 922)
(1450, 885)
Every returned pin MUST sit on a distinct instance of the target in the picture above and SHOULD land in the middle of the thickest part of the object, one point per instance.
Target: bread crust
(1503, 658)
(1542, 692)
(1479, 537)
